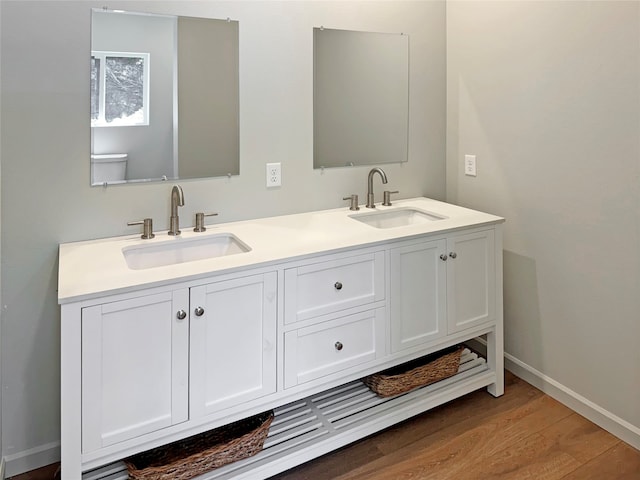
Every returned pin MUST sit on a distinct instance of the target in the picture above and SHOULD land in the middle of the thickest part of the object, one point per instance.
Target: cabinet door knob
(453, 254)
(338, 285)
(443, 257)
(338, 346)
(198, 311)
(181, 314)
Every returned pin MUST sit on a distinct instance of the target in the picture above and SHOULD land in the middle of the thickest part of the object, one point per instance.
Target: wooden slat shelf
(308, 428)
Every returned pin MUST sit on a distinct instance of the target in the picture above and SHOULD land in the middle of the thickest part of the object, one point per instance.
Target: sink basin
(179, 250)
(399, 217)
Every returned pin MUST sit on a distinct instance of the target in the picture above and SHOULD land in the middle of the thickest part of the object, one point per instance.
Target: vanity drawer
(332, 285)
(332, 346)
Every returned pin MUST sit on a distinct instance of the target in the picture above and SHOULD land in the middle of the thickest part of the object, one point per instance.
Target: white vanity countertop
(95, 268)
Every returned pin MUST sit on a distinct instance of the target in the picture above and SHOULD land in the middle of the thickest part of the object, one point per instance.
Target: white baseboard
(615, 425)
(28, 460)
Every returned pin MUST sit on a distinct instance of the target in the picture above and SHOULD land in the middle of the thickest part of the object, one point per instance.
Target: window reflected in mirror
(119, 88)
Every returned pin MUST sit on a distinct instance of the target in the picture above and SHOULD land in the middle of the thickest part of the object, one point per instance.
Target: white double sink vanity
(173, 336)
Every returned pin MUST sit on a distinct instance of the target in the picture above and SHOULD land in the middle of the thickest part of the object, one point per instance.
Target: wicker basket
(201, 453)
(417, 373)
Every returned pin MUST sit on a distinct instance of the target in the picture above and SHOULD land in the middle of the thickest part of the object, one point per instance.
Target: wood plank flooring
(524, 434)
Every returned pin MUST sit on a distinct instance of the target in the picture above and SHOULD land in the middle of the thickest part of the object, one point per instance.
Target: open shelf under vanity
(311, 427)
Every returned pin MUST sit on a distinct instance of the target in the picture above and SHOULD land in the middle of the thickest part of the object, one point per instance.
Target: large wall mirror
(164, 97)
(360, 98)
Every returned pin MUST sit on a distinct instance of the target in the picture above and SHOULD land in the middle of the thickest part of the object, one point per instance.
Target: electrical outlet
(274, 175)
(470, 165)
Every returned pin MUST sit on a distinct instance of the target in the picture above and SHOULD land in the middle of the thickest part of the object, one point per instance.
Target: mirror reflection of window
(119, 89)
(95, 88)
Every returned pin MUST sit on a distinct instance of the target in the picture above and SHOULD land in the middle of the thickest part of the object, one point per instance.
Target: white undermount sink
(398, 217)
(180, 250)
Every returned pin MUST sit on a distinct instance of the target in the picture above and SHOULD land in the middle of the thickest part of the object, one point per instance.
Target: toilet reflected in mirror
(109, 168)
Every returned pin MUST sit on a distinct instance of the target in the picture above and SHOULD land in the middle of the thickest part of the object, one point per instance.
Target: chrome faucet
(383, 176)
(177, 200)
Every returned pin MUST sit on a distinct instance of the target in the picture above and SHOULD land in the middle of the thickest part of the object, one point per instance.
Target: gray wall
(46, 198)
(547, 95)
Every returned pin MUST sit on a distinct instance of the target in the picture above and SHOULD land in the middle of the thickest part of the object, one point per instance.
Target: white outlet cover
(274, 174)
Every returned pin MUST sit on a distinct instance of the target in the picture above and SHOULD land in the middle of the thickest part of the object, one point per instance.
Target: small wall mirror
(360, 98)
(164, 97)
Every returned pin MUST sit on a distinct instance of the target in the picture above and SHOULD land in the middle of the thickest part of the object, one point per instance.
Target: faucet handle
(147, 229)
(386, 197)
(354, 202)
(200, 221)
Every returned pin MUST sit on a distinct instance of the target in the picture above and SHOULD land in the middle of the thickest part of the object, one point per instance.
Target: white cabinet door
(233, 342)
(471, 279)
(134, 367)
(418, 294)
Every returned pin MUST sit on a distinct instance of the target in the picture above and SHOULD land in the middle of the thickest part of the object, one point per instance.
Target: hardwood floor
(521, 435)
(44, 473)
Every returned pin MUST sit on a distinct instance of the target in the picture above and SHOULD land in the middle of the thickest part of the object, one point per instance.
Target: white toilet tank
(109, 168)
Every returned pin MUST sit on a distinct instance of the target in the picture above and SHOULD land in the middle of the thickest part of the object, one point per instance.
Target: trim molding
(31, 459)
(1, 468)
(615, 425)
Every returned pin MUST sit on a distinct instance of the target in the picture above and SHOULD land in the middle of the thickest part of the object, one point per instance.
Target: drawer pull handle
(453, 254)
(181, 314)
(338, 285)
(198, 311)
(338, 346)
(443, 257)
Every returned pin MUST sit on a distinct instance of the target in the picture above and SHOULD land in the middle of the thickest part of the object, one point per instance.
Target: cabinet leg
(67, 472)
(70, 394)
(495, 360)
